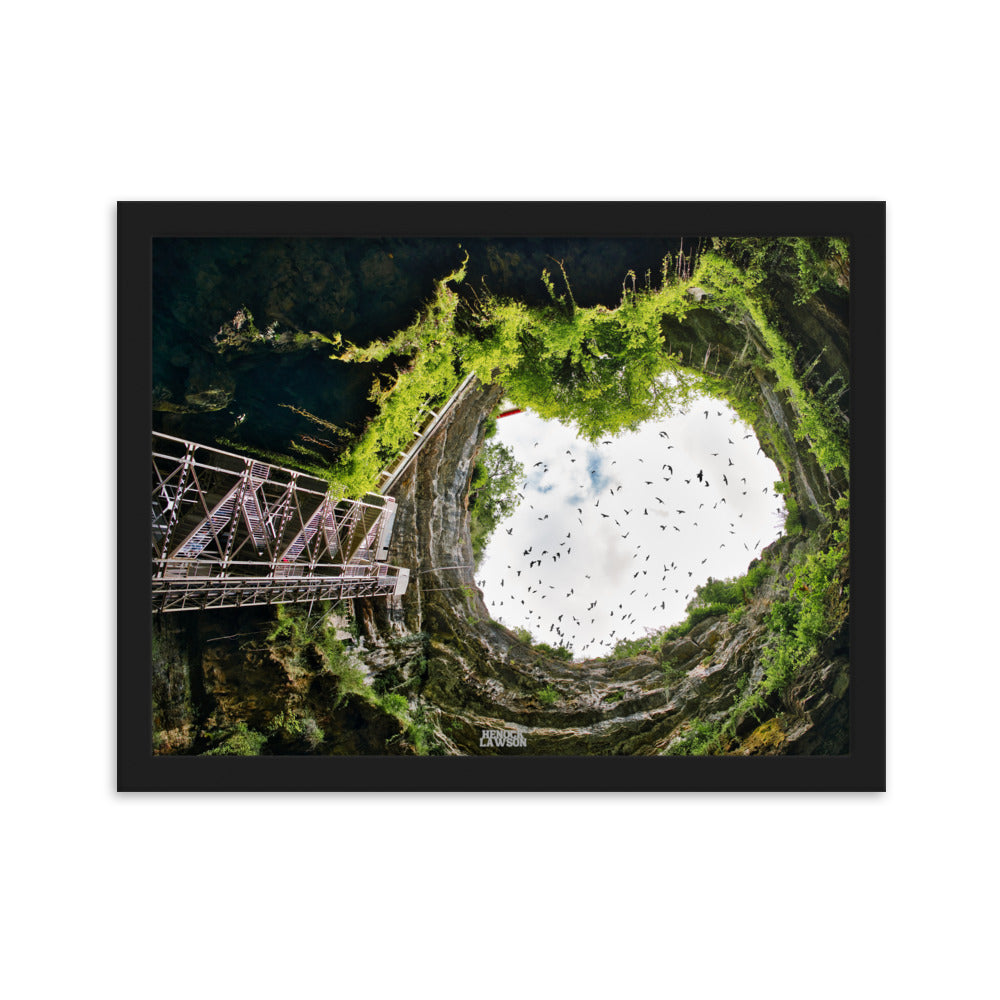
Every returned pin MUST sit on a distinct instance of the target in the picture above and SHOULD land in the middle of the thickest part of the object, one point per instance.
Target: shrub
(493, 494)
(396, 705)
(548, 695)
(695, 617)
(237, 741)
(624, 648)
(558, 652)
(310, 731)
(702, 738)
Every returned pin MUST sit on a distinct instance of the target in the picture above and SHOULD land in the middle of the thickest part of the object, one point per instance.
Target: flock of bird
(665, 499)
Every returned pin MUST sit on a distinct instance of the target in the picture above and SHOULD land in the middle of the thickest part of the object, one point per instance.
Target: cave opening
(610, 540)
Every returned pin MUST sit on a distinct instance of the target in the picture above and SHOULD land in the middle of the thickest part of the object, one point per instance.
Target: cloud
(625, 489)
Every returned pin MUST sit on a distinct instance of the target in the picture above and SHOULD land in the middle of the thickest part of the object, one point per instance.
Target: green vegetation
(601, 369)
(422, 734)
(301, 640)
(793, 516)
(815, 609)
(702, 738)
(549, 695)
(810, 263)
(641, 646)
(493, 495)
(719, 597)
(558, 652)
(742, 293)
(290, 728)
(297, 634)
(237, 741)
(597, 368)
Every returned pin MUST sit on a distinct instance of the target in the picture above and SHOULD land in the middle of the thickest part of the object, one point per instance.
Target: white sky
(579, 502)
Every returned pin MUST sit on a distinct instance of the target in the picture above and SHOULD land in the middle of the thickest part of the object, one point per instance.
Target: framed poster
(501, 496)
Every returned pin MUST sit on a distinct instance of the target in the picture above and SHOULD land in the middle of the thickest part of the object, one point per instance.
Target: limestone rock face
(476, 675)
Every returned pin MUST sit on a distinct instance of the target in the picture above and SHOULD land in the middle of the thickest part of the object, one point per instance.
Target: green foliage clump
(793, 516)
(816, 607)
(733, 591)
(643, 645)
(493, 495)
(243, 331)
(237, 741)
(423, 735)
(737, 613)
(702, 738)
(295, 632)
(741, 291)
(695, 617)
(603, 370)
(396, 704)
(548, 695)
(558, 652)
(429, 378)
(597, 368)
(808, 263)
(289, 727)
(719, 597)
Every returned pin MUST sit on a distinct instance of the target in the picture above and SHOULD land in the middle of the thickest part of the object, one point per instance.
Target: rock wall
(475, 674)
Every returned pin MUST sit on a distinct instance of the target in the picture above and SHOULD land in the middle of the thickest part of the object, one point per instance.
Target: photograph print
(504, 496)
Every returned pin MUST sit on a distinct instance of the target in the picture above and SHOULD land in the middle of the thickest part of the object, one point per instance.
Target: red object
(508, 413)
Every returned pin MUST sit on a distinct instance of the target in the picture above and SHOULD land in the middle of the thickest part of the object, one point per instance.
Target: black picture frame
(863, 769)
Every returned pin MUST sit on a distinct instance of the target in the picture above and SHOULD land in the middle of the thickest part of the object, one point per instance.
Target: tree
(494, 493)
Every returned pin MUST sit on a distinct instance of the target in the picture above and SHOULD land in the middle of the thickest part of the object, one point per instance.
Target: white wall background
(509, 895)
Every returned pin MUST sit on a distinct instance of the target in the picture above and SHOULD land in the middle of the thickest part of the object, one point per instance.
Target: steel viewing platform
(229, 531)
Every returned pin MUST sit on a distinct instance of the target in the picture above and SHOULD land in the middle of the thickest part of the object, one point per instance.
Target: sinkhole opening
(608, 542)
